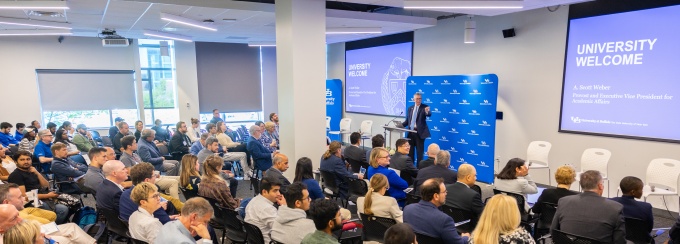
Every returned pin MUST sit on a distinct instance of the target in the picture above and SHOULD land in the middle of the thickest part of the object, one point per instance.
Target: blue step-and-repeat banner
(463, 117)
(333, 107)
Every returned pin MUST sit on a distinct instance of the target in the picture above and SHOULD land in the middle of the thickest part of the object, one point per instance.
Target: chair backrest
(566, 238)
(188, 194)
(520, 199)
(595, 159)
(636, 231)
(164, 150)
(254, 234)
(428, 239)
(232, 220)
(375, 227)
(412, 198)
(345, 126)
(78, 158)
(329, 181)
(663, 172)
(366, 127)
(354, 165)
(107, 142)
(458, 216)
(113, 222)
(547, 214)
(357, 187)
(538, 151)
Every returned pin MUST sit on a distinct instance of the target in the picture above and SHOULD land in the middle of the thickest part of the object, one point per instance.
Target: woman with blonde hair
(499, 223)
(270, 131)
(565, 175)
(214, 186)
(25, 232)
(189, 177)
(380, 159)
(376, 203)
(332, 162)
(143, 225)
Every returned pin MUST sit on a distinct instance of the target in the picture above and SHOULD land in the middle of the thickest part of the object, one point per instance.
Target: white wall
(187, 81)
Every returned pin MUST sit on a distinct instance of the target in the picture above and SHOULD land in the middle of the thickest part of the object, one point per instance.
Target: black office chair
(216, 222)
(188, 194)
(164, 150)
(357, 188)
(412, 198)
(566, 238)
(428, 239)
(635, 231)
(355, 165)
(254, 234)
(234, 226)
(328, 182)
(542, 227)
(459, 216)
(375, 227)
(96, 137)
(107, 142)
(115, 227)
(527, 219)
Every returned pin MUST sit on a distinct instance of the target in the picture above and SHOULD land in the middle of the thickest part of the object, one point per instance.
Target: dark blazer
(116, 142)
(550, 196)
(421, 123)
(462, 197)
(108, 195)
(272, 172)
(261, 155)
(180, 143)
(65, 170)
(590, 215)
(674, 233)
(426, 163)
(426, 219)
(150, 154)
(337, 167)
(356, 157)
(112, 131)
(436, 171)
(404, 164)
(638, 210)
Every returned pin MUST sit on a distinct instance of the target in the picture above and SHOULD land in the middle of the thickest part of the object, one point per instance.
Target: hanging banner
(333, 107)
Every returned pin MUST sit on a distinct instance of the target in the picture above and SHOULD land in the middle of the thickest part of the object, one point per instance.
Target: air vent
(111, 42)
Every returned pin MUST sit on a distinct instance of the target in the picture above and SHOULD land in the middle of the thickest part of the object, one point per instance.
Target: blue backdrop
(334, 105)
(463, 119)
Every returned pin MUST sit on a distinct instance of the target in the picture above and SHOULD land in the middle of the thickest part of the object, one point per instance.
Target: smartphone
(163, 199)
(362, 170)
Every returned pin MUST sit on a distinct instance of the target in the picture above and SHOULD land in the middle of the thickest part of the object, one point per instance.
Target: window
(158, 81)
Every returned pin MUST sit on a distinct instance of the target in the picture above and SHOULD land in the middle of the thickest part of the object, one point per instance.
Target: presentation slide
(376, 79)
(622, 75)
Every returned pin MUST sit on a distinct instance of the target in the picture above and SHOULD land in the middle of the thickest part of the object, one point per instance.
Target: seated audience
(189, 177)
(216, 117)
(426, 219)
(139, 126)
(631, 187)
(193, 221)
(432, 151)
(23, 232)
(161, 135)
(28, 142)
(376, 203)
(194, 132)
(42, 150)
(28, 178)
(35, 125)
(564, 176)
(261, 211)
(148, 151)
(83, 139)
(440, 170)
(213, 186)
(332, 162)
(380, 159)
(305, 174)
(19, 131)
(52, 127)
(108, 193)
(94, 176)
(280, 165)
(402, 162)
(211, 150)
(114, 129)
(6, 138)
(262, 157)
(62, 137)
(292, 224)
(264, 138)
(65, 170)
(233, 151)
(270, 131)
(143, 172)
(376, 141)
(273, 117)
(514, 177)
(400, 234)
(8, 164)
(354, 154)
(198, 145)
(180, 142)
(461, 196)
(327, 219)
(143, 225)
(123, 130)
(128, 156)
(499, 223)
(589, 214)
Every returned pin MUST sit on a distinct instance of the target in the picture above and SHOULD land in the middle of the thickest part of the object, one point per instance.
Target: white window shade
(74, 90)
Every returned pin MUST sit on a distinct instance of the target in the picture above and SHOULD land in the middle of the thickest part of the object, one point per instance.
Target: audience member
(198, 145)
(426, 219)
(128, 156)
(233, 151)
(83, 139)
(123, 130)
(162, 135)
(327, 219)
(68, 128)
(18, 132)
(514, 177)
(589, 214)
(400, 233)
(460, 196)
(139, 126)
(211, 150)
(108, 193)
(9, 216)
(189, 177)
(280, 165)
(305, 174)
(143, 172)
(94, 176)
(273, 117)
(499, 223)
(432, 151)
(402, 162)
(216, 117)
(631, 187)
(265, 139)
(261, 156)
(62, 137)
(332, 162)
(376, 203)
(194, 132)
(213, 186)
(24, 232)
(36, 126)
(28, 179)
(270, 130)
(8, 165)
(65, 170)
(113, 130)
(143, 225)
(148, 151)
(192, 222)
(380, 159)
(354, 154)
(6, 138)
(564, 175)
(261, 211)
(52, 127)
(28, 142)
(376, 141)
(180, 142)
(42, 150)
(292, 224)
(440, 170)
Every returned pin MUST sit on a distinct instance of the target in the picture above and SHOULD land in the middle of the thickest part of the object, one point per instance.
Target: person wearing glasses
(42, 150)
(380, 159)
(292, 224)
(143, 225)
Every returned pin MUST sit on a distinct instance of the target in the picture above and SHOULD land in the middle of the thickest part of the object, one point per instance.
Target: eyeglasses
(156, 195)
(385, 156)
(307, 198)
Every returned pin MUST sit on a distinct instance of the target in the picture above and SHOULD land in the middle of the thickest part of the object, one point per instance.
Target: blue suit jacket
(421, 123)
(108, 195)
(150, 153)
(336, 165)
(426, 219)
(636, 209)
(260, 154)
(397, 184)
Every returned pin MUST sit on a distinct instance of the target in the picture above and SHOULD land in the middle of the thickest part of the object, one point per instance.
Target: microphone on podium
(388, 123)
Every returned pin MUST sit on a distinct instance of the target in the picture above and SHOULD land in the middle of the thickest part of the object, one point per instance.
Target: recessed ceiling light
(35, 32)
(26, 5)
(35, 23)
(186, 21)
(164, 35)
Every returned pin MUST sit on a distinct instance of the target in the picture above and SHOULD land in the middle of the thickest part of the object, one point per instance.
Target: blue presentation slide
(622, 75)
(376, 79)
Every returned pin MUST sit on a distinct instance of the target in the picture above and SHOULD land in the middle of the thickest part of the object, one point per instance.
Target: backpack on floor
(85, 216)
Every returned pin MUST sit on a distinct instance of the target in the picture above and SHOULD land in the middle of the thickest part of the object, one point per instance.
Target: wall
(270, 96)
(187, 81)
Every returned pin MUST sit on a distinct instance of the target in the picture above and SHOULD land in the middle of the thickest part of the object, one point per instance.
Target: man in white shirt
(261, 211)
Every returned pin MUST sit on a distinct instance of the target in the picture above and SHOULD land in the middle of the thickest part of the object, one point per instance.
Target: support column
(301, 75)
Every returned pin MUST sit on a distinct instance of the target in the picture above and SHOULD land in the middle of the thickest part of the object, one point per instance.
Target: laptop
(533, 198)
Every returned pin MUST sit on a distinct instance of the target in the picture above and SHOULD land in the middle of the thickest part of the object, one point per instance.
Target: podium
(395, 129)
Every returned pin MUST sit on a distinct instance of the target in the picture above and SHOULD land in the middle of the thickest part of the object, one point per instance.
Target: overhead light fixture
(34, 23)
(185, 21)
(35, 5)
(353, 30)
(262, 44)
(166, 35)
(35, 33)
(470, 31)
(469, 4)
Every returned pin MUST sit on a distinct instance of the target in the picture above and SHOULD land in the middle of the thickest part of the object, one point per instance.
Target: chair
(188, 194)
(135, 241)
(107, 142)
(254, 234)
(542, 227)
(356, 165)
(96, 137)
(635, 231)
(421, 238)
(357, 188)
(375, 227)
(537, 156)
(345, 126)
(527, 219)
(328, 182)
(412, 198)
(78, 158)
(164, 150)
(234, 225)
(366, 129)
(459, 216)
(663, 174)
(216, 222)
(595, 159)
(13, 149)
(114, 225)
(561, 237)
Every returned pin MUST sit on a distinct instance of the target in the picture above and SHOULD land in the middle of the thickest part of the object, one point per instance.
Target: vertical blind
(77, 90)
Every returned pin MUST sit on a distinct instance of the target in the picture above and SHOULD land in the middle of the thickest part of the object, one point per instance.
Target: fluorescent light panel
(35, 33)
(452, 4)
(24, 5)
(353, 30)
(185, 21)
(165, 35)
(262, 44)
(34, 23)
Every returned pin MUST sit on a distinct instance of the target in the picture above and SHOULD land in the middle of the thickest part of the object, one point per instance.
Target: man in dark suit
(432, 151)
(123, 130)
(589, 214)
(355, 155)
(631, 187)
(440, 169)
(148, 151)
(280, 165)
(180, 142)
(402, 162)
(415, 120)
(424, 217)
(108, 193)
(261, 156)
(460, 195)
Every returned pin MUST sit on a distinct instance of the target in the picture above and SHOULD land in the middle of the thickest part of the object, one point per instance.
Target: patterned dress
(519, 236)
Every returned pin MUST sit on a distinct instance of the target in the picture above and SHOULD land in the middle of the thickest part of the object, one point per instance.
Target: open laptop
(533, 198)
